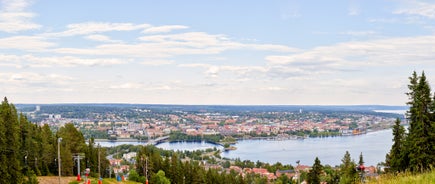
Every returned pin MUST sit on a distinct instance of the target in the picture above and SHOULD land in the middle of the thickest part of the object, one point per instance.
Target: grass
(405, 178)
(106, 181)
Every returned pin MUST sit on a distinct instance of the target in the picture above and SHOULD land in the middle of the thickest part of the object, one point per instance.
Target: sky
(293, 52)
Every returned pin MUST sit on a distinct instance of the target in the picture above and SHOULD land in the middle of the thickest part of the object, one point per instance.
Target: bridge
(158, 140)
(149, 142)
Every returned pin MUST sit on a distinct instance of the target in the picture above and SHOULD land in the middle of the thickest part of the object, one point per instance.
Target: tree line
(28, 150)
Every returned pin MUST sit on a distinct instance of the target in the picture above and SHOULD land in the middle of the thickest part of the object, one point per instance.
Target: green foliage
(31, 178)
(152, 159)
(396, 160)
(10, 143)
(179, 136)
(133, 175)
(26, 148)
(160, 178)
(315, 172)
(348, 174)
(414, 151)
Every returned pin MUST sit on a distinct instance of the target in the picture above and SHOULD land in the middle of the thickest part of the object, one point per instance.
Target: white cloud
(273, 88)
(97, 27)
(215, 70)
(354, 55)
(101, 38)
(140, 87)
(157, 62)
(28, 43)
(164, 29)
(418, 8)
(69, 61)
(164, 46)
(271, 47)
(128, 85)
(33, 79)
(15, 18)
(62, 61)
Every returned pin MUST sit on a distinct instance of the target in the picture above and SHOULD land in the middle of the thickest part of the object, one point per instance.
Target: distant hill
(217, 108)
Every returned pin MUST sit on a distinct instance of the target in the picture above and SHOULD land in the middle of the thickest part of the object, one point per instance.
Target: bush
(133, 176)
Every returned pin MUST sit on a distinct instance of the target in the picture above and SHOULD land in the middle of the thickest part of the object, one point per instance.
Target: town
(130, 122)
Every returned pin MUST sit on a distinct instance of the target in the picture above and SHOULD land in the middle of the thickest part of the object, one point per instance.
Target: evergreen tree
(420, 142)
(11, 155)
(348, 173)
(91, 157)
(72, 143)
(48, 151)
(396, 160)
(361, 159)
(315, 172)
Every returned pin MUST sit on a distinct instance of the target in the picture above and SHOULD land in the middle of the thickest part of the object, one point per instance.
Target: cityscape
(133, 124)
(122, 122)
(217, 92)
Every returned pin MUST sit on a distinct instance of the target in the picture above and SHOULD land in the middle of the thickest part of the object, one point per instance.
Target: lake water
(330, 150)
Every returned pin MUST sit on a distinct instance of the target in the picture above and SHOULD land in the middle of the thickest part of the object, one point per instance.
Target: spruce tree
(315, 172)
(420, 141)
(396, 160)
(48, 151)
(348, 173)
(10, 171)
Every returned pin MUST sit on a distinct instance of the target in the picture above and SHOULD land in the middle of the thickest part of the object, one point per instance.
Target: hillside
(406, 178)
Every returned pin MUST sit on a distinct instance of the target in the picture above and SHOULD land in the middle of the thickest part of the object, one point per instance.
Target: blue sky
(214, 52)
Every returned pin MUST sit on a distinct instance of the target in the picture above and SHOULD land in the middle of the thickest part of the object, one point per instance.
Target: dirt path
(55, 179)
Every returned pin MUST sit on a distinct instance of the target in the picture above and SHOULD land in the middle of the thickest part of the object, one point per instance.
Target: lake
(330, 150)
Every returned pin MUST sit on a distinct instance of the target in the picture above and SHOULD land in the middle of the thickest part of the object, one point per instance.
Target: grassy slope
(423, 178)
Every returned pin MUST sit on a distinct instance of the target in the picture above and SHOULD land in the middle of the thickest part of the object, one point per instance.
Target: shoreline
(269, 138)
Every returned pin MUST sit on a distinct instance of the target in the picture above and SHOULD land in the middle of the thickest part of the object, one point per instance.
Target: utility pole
(297, 172)
(99, 163)
(146, 176)
(58, 156)
(78, 157)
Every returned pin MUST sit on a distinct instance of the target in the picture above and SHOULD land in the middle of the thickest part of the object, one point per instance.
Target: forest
(29, 150)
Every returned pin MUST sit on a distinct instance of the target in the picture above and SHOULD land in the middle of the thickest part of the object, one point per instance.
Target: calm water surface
(374, 146)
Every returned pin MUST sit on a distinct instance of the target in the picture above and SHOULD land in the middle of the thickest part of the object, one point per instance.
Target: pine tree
(315, 172)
